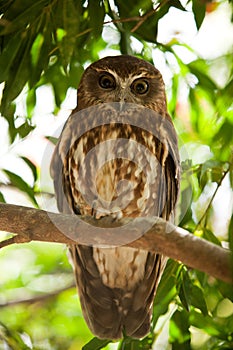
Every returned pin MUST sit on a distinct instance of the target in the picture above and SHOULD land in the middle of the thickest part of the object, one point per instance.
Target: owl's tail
(113, 312)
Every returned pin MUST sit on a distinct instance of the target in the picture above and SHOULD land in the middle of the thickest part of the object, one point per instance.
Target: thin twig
(212, 198)
(139, 19)
(38, 298)
(147, 15)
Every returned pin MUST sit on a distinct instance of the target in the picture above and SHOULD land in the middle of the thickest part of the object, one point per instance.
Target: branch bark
(152, 234)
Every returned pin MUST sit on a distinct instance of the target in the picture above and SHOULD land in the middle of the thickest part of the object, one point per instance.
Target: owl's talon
(98, 213)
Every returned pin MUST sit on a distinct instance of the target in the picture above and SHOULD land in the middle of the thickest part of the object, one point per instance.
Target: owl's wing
(172, 172)
(58, 170)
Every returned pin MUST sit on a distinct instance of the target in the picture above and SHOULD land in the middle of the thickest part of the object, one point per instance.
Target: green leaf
(8, 56)
(210, 171)
(96, 12)
(2, 199)
(186, 197)
(190, 294)
(199, 10)
(19, 73)
(41, 49)
(184, 288)
(179, 331)
(137, 344)
(75, 72)
(177, 4)
(12, 339)
(32, 167)
(96, 344)
(149, 29)
(208, 324)
(52, 139)
(20, 184)
(132, 7)
(24, 129)
(198, 300)
(230, 238)
(70, 26)
(59, 81)
(225, 289)
(9, 112)
(209, 236)
(199, 68)
(20, 14)
(224, 134)
(166, 291)
(31, 102)
(173, 101)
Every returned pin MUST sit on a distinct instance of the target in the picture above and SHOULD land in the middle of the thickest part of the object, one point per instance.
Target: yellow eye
(107, 81)
(140, 86)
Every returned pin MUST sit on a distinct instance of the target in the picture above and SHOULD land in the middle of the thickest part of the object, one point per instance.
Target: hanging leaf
(166, 291)
(24, 129)
(12, 340)
(211, 326)
(190, 294)
(184, 288)
(21, 185)
(31, 102)
(2, 199)
(209, 236)
(52, 139)
(75, 73)
(96, 13)
(41, 49)
(70, 19)
(199, 68)
(230, 238)
(20, 14)
(198, 299)
(137, 344)
(179, 331)
(32, 167)
(132, 8)
(19, 73)
(8, 56)
(149, 29)
(55, 76)
(199, 10)
(96, 344)
(174, 98)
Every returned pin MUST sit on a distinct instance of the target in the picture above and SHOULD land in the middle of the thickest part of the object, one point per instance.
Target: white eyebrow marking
(130, 76)
(125, 81)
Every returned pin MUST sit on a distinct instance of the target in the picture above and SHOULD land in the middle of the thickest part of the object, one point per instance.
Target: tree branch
(38, 298)
(149, 233)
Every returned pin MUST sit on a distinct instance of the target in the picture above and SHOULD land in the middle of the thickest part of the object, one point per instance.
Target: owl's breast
(114, 170)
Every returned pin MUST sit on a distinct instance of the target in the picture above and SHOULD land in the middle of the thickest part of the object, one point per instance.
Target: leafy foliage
(48, 43)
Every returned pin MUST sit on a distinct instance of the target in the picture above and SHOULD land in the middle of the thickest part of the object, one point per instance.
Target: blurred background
(45, 47)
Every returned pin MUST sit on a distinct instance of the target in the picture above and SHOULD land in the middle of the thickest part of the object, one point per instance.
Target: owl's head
(124, 79)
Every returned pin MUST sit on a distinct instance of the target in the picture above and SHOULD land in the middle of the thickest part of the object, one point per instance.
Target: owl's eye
(107, 81)
(140, 86)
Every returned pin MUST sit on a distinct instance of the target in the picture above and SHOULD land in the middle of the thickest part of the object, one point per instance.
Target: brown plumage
(117, 155)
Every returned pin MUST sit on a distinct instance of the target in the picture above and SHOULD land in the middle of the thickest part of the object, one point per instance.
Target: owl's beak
(122, 105)
(122, 98)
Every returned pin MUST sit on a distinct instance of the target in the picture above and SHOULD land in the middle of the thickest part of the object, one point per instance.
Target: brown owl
(117, 155)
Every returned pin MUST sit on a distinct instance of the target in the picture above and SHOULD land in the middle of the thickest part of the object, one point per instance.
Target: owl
(117, 155)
